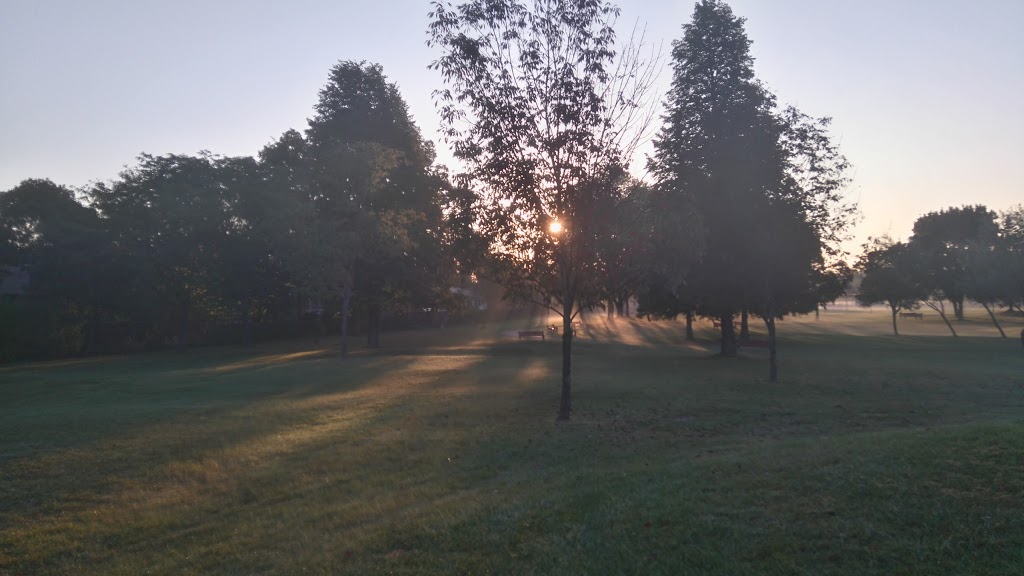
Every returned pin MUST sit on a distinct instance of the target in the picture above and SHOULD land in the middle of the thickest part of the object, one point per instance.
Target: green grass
(440, 454)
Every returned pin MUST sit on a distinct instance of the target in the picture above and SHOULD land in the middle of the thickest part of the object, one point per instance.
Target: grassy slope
(873, 455)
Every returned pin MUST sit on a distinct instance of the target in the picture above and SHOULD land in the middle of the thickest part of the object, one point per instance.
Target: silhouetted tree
(889, 277)
(1011, 241)
(716, 152)
(787, 262)
(544, 111)
(941, 239)
(61, 244)
(988, 277)
(624, 250)
(831, 282)
(170, 217)
(726, 158)
(375, 213)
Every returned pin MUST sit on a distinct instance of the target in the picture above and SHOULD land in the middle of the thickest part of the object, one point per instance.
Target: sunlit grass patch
(870, 456)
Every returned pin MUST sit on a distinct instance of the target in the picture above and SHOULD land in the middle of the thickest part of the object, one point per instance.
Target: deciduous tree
(941, 240)
(544, 108)
(889, 277)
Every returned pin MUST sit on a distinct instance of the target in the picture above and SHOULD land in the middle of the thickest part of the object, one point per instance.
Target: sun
(555, 227)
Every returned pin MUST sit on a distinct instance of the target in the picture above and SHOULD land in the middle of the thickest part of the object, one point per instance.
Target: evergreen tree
(762, 188)
(717, 156)
(374, 210)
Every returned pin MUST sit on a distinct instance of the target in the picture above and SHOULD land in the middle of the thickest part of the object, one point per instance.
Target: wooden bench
(531, 334)
(554, 328)
(917, 315)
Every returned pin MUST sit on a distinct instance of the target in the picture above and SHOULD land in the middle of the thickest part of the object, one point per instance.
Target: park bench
(531, 334)
(917, 315)
(554, 328)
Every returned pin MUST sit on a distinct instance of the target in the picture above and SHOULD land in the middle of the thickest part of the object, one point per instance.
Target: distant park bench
(554, 328)
(531, 334)
(917, 315)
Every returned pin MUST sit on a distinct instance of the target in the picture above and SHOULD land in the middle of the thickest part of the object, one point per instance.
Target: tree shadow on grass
(284, 467)
(169, 480)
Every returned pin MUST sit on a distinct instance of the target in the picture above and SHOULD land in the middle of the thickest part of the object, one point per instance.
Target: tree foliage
(760, 190)
(942, 239)
(196, 248)
(544, 109)
(889, 277)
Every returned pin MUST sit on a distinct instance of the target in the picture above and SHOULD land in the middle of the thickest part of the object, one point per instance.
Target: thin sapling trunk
(992, 315)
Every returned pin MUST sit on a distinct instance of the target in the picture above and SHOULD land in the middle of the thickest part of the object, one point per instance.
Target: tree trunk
(611, 309)
(346, 301)
(941, 309)
(817, 312)
(689, 325)
(895, 309)
(958, 307)
(618, 308)
(744, 326)
(994, 320)
(728, 336)
(627, 306)
(565, 405)
(373, 326)
(773, 361)
(942, 314)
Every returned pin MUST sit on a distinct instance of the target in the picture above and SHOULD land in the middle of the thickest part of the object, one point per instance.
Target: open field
(440, 454)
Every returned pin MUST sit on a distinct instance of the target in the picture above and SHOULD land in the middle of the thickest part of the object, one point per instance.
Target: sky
(925, 95)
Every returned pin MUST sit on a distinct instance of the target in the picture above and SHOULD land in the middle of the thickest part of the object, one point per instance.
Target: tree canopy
(760, 189)
(543, 107)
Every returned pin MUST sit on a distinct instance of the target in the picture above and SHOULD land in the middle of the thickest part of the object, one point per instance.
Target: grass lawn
(873, 454)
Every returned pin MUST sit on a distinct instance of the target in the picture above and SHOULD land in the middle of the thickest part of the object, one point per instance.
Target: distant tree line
(351, 216)
(954, 255)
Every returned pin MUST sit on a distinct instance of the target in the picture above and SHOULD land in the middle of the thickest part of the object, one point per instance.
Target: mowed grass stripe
(871, 456)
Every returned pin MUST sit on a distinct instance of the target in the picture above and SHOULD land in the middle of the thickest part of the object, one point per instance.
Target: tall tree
(374, 199)
(1011, 241)
(544, 109)
(253, 276)
(61, 244)
(169, 217)
(786, 262)
(715, 152)
(942, 240)
(988, 278)
(730, 164)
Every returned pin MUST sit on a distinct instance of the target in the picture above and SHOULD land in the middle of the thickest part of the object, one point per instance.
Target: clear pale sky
(926, 95)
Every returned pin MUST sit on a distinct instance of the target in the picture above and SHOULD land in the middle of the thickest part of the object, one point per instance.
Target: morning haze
(923, 94)
(511, 287)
